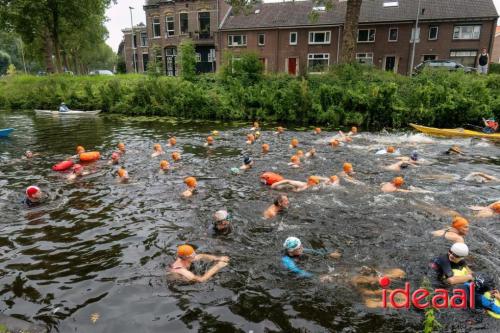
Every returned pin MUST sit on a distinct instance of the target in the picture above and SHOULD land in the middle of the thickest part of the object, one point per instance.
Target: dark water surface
(99, 247)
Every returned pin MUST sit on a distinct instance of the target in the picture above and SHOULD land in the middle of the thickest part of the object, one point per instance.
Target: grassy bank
(348, 95)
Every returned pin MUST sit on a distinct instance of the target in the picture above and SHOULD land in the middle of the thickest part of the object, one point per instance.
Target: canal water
(93, 257)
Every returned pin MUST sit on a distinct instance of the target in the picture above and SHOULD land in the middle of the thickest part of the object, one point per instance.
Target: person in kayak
(451, 268)
(456, 233)
(63, 107)
(491, 126)
(33, 196)
(280, 204)
(180, 268)
(488, 211)
(294, 252)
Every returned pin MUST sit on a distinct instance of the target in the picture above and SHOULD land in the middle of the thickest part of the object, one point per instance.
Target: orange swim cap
(265, 148)
(313, 180)
(347, 167)
(80, 150)
(317, 130)
(250, 137)
(398, 181)
(121, 146)
(122, 172)
(185, 251)
(496, 207)
(294, 143)
(334, 143)
(459, 222)
(164, 164)
(299, 153)
(176, 156)
(190, 182)
(172, 141)
(334, 178)
(295, 159)
(354, 129)
(391, 149)
(157, 147)
(280, 129)
(210, 139)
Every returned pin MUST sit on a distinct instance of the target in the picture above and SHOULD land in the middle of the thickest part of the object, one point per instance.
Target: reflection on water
(102, 247)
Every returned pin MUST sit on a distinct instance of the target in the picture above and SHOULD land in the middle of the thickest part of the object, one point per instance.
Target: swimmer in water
(280, 204)
(280, 130)
(172, 142)
(451, 268)
(28, 154)
(481, 177)
(186, 255)
(255, 126)
(115, 158)
(294, 162)
(176, 156)
(121, 148)
(456, 233)
(348, 174)
(333, 181)
(80, 150)
(454, 150)
(399, 166)
(122, 175)
(334, 143)
(164, 166)
(311, 153)
(247, 163)
(257, 135)
(295, 185)
(78, 171)
(265, 148)
(394, 186)
(354, 131)
(222, 223)
(33, 196)
(300, 154)
(294, 143)
(250, 139)
(158, 150)
(488, 211)
(191, 183)
(317, 131)
(210, 141)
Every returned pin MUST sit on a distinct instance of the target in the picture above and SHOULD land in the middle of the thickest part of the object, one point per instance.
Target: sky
(119, 18)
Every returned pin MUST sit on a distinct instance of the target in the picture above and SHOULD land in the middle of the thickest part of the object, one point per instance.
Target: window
(211, 55)
(365, 58)
(237, 40)
(156, 27)
(204, 22)
(413, 35)
(261, 39)
(134, 41)
(169, 26)
(464, 57)
(433, 32)
(145, 60)
(318, 62)
(393, 34)
(429, 57)
(366, 35)
(293, 38)
(198, 57)
(144, 39)
(466, 32)
(184, 23)
(319, 37)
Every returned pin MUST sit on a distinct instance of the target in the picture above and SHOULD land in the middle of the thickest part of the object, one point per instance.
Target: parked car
(101, 72)
(450, 65)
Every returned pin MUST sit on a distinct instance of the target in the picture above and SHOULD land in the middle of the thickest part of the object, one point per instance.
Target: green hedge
(347, 95)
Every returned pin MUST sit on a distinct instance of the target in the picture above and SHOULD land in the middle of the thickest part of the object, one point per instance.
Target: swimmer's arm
(291, 266)
(459, 279)
(477, 207)
(209, 257)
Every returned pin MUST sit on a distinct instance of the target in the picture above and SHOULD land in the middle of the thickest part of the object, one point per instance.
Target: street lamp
(415, 39)
(132, 38)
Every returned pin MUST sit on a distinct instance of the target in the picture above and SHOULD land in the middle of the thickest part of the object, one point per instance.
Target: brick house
(135, 50)
(495, 55)
(288, 40)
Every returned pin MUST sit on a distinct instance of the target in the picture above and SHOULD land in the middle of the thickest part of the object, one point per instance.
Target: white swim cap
(460, 249)
(220, 215)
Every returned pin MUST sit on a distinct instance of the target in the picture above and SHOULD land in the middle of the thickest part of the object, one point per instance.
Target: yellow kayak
(455, 132)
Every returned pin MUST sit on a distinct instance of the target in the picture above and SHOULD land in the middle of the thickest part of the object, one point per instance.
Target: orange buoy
(90, 156)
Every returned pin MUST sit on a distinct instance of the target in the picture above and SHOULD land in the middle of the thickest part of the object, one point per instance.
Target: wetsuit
(26, 201)
(290, 262)
(441, 268)
(482, 300)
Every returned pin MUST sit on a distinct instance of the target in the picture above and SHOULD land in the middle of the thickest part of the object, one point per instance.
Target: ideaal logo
(419, 298)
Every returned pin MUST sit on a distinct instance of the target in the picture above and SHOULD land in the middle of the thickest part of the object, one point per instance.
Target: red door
(292, 66)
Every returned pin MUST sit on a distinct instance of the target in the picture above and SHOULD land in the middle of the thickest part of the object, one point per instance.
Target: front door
(390, 63)
(292, 66)
(170, 55)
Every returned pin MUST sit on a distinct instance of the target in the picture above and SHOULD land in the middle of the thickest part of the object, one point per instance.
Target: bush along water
(347, 95)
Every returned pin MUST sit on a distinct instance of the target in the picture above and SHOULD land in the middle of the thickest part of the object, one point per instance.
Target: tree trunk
(54, 10)
(47, 52)
(350, 36)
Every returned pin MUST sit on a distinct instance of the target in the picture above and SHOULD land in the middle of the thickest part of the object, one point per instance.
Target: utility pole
(132, 37)
(415, 39)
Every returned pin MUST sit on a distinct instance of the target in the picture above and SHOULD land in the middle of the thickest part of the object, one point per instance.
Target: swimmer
(348, 174)
(280, 130)
(311, 153)
(164, 166)
(265, 148)
(454, 150)
(280, 204)
(354, 131)
(186, 256)
(250, 139)
(121, 147)
(488, 211)
(210, 141)
(456, 233)
(333, 181)
(158, 150)
(255, 126)
(414, 158)
(222, 223)
(388, 150)
(176, 156)
(28, 154)
(398, 166)
(215, 133)
(191, 184)
(80, 150)
(115, 158)
(257, 135)
(481, 177)
(294, 162)
(269, 178)
(317, 131)
(78, 171)
(293, 251)
(451, 268)
(394, 186)
(247, 163)
(334, 143)
(122, 175)
(368, 284)
(295, 185)
(487, 296)
(33, 196)
(300, 154)
(344, 138)
(172, 142)
(294, 143)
